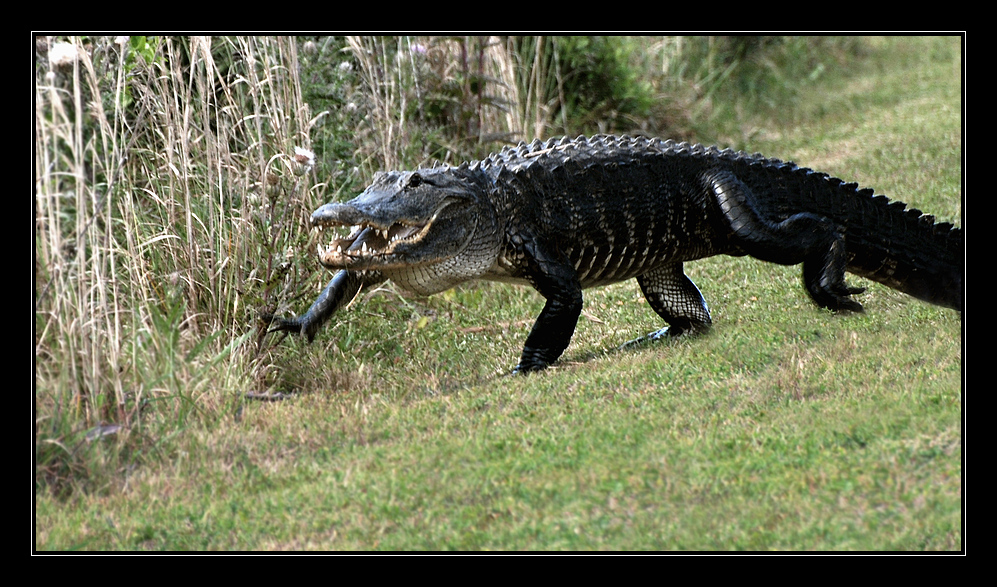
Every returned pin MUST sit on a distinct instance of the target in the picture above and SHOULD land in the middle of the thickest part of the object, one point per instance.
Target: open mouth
(369, 243)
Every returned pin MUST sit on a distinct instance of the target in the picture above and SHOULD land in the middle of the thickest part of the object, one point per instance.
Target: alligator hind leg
(804, 238)
(676, 299)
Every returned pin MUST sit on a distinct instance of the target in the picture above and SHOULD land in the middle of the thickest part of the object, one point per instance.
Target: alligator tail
(905, 249)
(885, 241)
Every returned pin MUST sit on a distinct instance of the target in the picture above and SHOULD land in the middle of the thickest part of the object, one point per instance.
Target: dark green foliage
(598, 89)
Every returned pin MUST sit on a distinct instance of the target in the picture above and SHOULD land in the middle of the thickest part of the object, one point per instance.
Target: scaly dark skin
(570, 214)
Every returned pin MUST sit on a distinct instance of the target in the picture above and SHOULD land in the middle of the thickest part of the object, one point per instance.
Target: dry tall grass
(167, 195)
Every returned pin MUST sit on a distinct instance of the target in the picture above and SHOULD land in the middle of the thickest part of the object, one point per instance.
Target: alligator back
(622, 201)
(613, 207)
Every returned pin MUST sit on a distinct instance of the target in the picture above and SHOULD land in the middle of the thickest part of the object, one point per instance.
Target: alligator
(569, 214)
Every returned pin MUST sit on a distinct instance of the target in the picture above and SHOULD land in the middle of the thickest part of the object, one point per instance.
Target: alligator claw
(836, 298)
(521, 369)
(665, 332)
(299, 325)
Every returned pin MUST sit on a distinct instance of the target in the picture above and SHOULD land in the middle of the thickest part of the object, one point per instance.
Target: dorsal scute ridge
(519, 159)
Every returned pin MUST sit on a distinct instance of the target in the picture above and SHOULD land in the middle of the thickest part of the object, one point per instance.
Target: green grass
(785, 428)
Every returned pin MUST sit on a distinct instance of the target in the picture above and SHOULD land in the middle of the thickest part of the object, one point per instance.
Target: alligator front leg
(552, 331)
(343, 287)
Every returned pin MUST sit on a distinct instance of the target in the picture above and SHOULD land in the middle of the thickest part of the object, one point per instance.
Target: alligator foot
(656, 335)
(671, 331)
(307, 326)
(836, 297)
(522, 369)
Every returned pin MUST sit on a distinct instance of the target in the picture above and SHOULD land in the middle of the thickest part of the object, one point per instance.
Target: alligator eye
(414, 180)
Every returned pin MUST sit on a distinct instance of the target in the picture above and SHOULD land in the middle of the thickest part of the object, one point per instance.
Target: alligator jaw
(369, 245)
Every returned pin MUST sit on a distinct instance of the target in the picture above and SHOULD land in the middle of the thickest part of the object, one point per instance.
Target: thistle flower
(305, 160)
(62, 55)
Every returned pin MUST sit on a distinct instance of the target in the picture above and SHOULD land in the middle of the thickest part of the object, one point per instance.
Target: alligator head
(426, 230)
